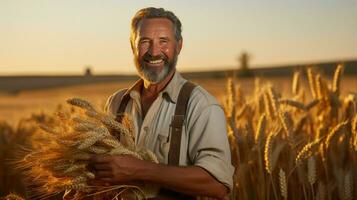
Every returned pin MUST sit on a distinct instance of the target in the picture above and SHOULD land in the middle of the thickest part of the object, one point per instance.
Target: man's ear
(179, 46)
(132, 47)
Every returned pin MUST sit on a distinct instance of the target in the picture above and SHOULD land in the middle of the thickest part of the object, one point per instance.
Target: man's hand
(116, 169)
(190, 180)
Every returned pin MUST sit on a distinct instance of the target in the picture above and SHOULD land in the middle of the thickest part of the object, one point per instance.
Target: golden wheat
(320, 129)
(61, 162)
(283, 184)
(313, 139)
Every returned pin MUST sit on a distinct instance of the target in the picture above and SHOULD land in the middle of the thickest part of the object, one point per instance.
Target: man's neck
(150, 92)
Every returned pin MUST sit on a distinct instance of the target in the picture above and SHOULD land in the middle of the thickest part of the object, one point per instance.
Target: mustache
(149, 57)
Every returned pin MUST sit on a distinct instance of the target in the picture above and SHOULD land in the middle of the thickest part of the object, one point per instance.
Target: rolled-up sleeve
(209, 146)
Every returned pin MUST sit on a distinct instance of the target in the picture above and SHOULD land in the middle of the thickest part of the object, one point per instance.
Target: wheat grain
(334, 133)
(76, 186)
(260, 133)
(124, 151)
(306, 151)
(90, 141)
(274, 100)
(296, 82)
(293, 103)
(75, 167)
(337, 79)
(283, 184)
(80, 103)
(110, 142)
(311, 170)
(312, 104)
(287, 123)
(348, 186)
(268, 153)
(12, 196)
(267, 106)
(321, 192)
(79, 179)
(319, 87)
(311, 78)
(89, 175)
(97, 150)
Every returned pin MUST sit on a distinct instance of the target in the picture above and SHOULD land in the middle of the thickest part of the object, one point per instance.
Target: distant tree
(243, 60)
(88, 71)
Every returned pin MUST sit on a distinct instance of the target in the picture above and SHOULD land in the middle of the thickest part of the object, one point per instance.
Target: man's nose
(154, 49)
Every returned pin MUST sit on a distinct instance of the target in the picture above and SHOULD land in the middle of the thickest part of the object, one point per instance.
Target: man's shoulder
(113, 101)
(202, 97)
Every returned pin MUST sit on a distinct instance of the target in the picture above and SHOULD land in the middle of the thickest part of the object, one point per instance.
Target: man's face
(155, 49)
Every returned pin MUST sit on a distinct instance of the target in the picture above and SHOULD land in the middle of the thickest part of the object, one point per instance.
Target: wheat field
(291, 137)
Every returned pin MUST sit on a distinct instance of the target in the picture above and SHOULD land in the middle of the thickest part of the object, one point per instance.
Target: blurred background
(53, 50)
(51, 44)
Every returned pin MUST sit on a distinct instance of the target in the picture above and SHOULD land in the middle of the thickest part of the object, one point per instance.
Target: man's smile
(155, 62)
(158, 61)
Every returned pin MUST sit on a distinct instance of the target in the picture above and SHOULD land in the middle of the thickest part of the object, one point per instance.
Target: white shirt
(204, 140)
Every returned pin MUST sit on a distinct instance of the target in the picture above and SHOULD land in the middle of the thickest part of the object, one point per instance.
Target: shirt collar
(171, 90)
(135, 89)
(173, 87)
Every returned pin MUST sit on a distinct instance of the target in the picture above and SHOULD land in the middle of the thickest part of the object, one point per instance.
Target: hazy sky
(62, 36)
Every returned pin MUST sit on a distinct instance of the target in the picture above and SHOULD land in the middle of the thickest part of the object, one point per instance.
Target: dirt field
(15, 107)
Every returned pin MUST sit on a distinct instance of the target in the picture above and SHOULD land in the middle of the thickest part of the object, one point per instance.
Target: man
(204, 166)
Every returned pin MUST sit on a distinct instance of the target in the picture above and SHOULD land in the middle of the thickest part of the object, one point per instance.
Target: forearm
(191, 180)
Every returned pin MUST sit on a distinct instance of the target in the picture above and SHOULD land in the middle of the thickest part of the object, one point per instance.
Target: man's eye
(144, 41)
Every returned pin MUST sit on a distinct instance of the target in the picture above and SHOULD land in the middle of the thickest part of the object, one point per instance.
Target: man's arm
(192, 180)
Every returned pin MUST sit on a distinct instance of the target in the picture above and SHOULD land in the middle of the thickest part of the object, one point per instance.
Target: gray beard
(153, 76)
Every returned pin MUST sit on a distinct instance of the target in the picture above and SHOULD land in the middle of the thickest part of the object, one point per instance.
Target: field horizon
(16, 106)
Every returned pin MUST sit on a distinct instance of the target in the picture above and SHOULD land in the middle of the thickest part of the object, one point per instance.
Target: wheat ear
(337, 79)
(283, 184)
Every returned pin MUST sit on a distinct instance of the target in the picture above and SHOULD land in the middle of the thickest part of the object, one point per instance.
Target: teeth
(155, 61)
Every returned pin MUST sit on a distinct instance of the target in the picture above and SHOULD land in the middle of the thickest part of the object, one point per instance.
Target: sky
(64, 36)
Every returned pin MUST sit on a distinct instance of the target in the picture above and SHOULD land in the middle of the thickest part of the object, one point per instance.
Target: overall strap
(121, 109)
(177, 122)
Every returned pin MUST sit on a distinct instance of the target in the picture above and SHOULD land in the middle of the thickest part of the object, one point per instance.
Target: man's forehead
(154, 23)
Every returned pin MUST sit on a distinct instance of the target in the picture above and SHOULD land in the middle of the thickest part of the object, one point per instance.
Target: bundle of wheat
(314, 143)
(12, 196)
(59, 161)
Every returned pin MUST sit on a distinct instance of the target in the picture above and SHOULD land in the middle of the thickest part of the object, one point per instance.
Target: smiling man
(180, 122)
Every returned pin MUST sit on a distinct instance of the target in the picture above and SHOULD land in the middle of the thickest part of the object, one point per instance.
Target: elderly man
(180, 122)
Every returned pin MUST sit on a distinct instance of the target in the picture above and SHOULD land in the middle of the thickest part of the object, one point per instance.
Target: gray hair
(151, 12)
